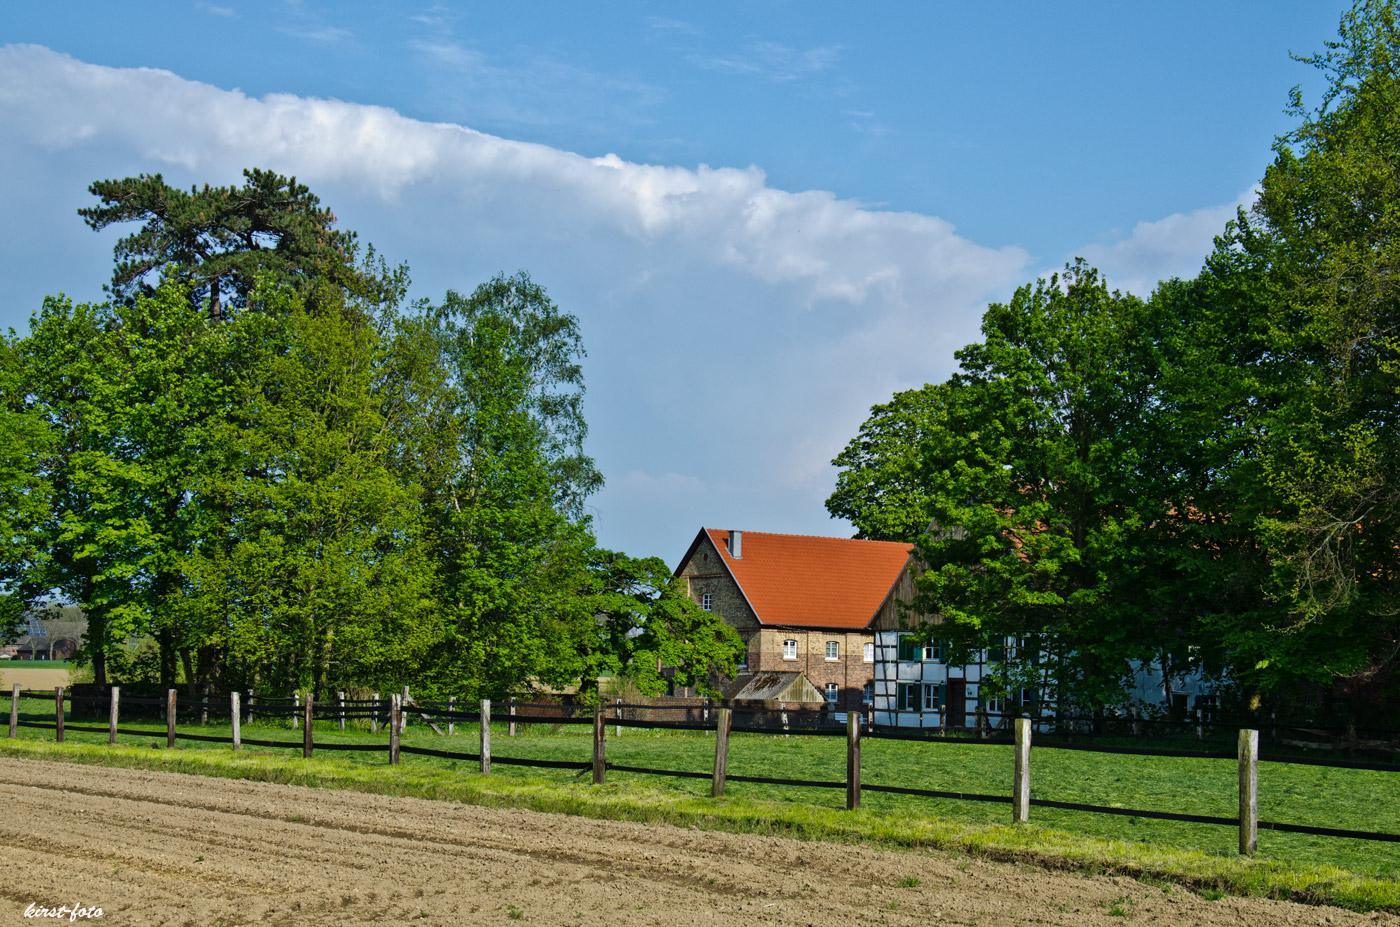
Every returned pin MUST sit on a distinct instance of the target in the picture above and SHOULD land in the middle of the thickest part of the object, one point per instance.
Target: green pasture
(36, 664)
(1341, 798)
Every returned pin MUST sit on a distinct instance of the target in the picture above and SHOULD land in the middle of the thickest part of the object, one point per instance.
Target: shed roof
(803, 581)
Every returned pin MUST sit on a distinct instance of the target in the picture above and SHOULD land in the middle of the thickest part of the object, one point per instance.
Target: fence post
(14, 710)
(486, 735)
(340, 708)
(451, 721)
(236, 720)
(510, 731)
(721, 752)
(250, 704)
(600, 763)
(782, 714)
(306, 743)
(617, 713)
(1249, 792)
(1021, 785)
(170, 718)
(394, 729)
(58, 713)
(296, 697)
(852, 760)
(403, 711)
(112, 719)
(1200, 725)
(374, 713)
(1133, 712)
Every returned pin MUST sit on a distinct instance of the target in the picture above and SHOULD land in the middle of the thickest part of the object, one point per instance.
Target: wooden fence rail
(302, 714)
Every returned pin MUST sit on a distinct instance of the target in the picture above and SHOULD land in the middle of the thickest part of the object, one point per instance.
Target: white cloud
(737, 333)
(1176, 246)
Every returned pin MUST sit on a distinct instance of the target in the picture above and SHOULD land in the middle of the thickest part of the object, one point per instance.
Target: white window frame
(869, 654)
(789, 649)
(833, 692)
(706, 601)
(833, 651)
(930, 696)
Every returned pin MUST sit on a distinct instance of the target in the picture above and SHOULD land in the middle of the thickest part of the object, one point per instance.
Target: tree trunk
(187, 661)
(165, 639)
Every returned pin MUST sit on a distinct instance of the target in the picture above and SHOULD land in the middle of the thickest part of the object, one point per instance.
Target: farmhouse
(825, 613)
(802, 604)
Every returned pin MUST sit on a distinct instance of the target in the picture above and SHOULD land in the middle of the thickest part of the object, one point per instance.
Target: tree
(308, 572)
(220, 239)
(124, 391)
(1026, 464)
(510, 564)
(1324, 491)
(26, 492)
(647, 622)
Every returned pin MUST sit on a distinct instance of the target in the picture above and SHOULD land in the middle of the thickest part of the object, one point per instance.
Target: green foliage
(648, 622)
(308, 569)
(1210, 479)
(222, 239)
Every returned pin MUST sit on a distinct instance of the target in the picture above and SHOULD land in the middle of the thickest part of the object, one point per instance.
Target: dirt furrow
(166, 849)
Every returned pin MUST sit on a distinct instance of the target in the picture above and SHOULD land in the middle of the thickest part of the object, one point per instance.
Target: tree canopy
(319, 490)
(1208, 478)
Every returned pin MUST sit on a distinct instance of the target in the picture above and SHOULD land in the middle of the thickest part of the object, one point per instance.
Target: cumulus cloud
(1172, 247)
(737, 332)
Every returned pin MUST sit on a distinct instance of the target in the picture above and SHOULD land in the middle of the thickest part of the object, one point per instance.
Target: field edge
(1209, 875)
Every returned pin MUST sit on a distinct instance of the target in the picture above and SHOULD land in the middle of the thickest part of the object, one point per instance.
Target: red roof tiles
(793, 579)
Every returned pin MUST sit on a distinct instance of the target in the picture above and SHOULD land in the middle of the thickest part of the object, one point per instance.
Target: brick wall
(705, 574)
(849, 670)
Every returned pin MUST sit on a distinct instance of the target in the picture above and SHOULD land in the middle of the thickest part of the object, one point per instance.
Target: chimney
(736, 544)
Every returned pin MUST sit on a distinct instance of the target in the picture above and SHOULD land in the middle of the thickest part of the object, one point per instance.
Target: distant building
(801, 604)
(830, 609)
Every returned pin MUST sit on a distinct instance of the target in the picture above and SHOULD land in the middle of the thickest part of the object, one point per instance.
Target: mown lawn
(1341, 798)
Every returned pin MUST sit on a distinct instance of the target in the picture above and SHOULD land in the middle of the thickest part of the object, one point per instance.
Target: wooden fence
(394, 712)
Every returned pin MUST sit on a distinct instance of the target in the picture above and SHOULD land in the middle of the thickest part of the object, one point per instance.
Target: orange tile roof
(793, 579)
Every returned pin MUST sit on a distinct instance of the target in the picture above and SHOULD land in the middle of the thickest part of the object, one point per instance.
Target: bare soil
(32, 678)
(153, 848)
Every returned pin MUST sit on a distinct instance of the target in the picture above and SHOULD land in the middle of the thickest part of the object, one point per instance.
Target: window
(869, 652)
(789, 650)
(833, 650)
(997, 652)
(908, 699)
(933, 652)
(908, 650)
(931, 694)
(996, 705)
(705, 601)
(867, 693)
(831, 692)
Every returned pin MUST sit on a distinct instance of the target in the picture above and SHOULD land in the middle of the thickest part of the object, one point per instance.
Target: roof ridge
(814, 537)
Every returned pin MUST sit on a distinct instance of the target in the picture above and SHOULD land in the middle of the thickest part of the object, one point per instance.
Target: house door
(957, 703)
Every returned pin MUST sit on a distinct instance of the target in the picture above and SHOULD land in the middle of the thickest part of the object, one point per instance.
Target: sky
(767, 216)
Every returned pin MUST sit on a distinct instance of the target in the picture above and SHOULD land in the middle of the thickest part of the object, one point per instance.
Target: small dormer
(735, 543)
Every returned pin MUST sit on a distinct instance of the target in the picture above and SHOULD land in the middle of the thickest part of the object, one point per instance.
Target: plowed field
(154, 848)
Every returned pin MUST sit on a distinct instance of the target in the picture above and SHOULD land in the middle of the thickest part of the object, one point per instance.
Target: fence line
(304, 711)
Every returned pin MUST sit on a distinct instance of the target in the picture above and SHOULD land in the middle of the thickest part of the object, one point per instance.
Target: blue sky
(767, 216)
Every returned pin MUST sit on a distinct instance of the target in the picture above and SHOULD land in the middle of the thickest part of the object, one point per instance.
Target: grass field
(1351, 799)
(36, 664)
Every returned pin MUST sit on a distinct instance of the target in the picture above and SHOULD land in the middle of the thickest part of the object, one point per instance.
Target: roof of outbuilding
(803, 581)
